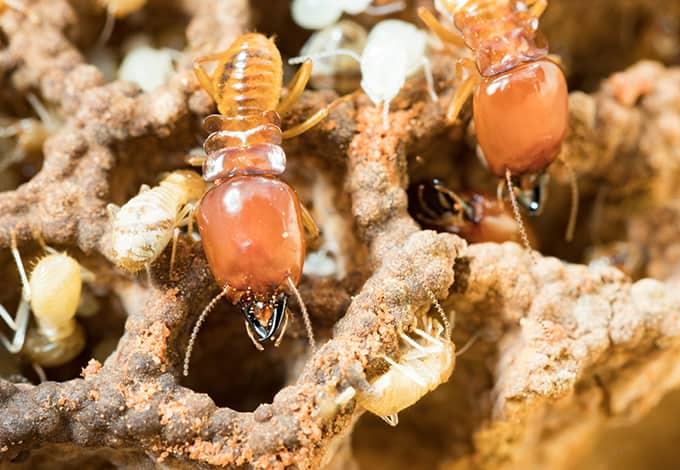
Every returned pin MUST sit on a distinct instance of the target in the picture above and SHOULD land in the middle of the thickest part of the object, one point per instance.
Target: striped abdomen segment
(501, 33)
(250, 78)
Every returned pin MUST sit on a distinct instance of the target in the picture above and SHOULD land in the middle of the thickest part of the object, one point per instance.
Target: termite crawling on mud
(427, 360)
(143, 226)
(252, 223)
(394, 51)
(519, 95)
(52, 292)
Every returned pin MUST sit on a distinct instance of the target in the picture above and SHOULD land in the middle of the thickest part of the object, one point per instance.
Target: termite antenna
(515, 210)
(387, 9)
(41, 111)
(40, 372)
(468, 344)
(305, 315)
(573, 214)
(197, 327)
(105, 35)
(442, 315)
(324, 55)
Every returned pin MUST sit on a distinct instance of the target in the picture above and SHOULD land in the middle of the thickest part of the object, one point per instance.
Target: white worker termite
(394, 51)
(427, 360)
(319, 14)
(52, 293)
(144, 225)
(28, 134)
(145, 65)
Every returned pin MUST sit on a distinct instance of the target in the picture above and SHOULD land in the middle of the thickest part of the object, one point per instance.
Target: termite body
(520, 95)
(52, 292)
(252, 223)
(143, 227)
(478, 218)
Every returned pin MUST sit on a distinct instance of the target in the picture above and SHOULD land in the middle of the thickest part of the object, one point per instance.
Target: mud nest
(565, 350)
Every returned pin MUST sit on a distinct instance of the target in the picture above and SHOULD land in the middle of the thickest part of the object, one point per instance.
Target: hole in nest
(99, 320)
(142, 47)
(226, 365)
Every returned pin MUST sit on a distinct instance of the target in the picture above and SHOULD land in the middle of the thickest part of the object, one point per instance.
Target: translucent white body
(53, 294)
(426, 362)
(143, 227)
(318, 14)
(148, 67)
(345, 35)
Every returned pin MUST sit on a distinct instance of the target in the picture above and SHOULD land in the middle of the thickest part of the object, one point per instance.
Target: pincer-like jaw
(264, 316)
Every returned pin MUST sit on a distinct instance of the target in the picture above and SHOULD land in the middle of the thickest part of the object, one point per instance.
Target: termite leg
(147, 268)
(40, 372)
(203, 78)
(173, 251)
(195, 160)
(573, 213)
(444, 34)
(308, 222)
(345, 396)
(296, 86)
(464, 90)
(19, 325)
(251, 335)
(408, 372)
(26, 288)
(109, 23)
(41, 241)
(537, 7)
(427, 70)
(144, 188)
(307, 124)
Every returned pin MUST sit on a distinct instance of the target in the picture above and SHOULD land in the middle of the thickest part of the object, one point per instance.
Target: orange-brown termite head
(521, 117)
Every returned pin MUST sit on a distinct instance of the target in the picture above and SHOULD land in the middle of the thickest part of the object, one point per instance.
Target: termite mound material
(572, 356)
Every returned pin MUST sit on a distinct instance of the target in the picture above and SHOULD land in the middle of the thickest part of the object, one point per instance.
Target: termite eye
(521, 117)
(264, 316)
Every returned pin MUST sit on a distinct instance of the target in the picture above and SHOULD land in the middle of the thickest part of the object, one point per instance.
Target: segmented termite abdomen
(249, 80)
(502, 33)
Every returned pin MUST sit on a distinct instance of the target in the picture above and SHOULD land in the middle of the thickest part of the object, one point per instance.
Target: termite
(394, 51)
(29, 134)
(147, 66)
(342, 72)
(427, 360)
(17, 6)
(476, 217)
(143, 226)
(252, 223)
(519, 94)
(52, 293)
(319, 14)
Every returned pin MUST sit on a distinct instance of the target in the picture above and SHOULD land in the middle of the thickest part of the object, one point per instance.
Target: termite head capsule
(521, 117)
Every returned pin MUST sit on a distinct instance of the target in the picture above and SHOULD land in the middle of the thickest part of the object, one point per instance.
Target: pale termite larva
(144, 225)
(394, 51)
(319, 14)
(426, 362)
(147, 66)
(52, 293)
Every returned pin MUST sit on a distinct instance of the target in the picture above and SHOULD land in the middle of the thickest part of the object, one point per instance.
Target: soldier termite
(251, 222)
(52, 293)
(476, 217)
(520, 95)
(319, 14)
(143, 226)
(394, 51)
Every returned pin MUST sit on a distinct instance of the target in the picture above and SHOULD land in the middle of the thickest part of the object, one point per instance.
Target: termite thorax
(243, 145)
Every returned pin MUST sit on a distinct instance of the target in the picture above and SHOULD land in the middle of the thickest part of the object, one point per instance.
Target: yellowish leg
(195, 160)
(296, 87)
(307, 124)
(173, 251)
(537, 7)
(204, 79)
(460, 97)
(442, 32)
(309, 223)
